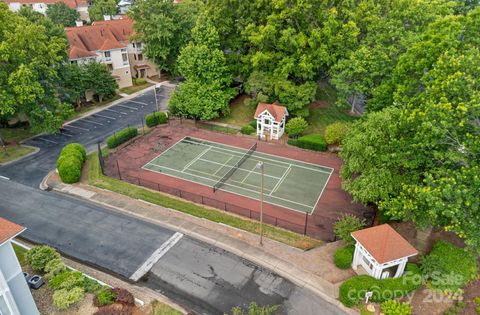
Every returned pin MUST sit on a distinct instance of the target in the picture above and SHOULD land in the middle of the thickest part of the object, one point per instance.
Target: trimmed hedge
(343, 257)
(313, 142)
(155, 118)
(70, 162)
(247, 130)
(121, 137)
(353, 290)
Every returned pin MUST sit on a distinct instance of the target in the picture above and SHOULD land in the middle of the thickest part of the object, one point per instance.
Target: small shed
(381, 251)
(271, 120)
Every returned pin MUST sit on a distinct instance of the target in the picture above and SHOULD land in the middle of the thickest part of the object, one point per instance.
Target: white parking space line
(137, 102)
(70, 126)
(92, 122)
(129, 107)
(46, 140)
(3, 177)
(106, 117)
(111, 110)
(155, 257)
(66, 134)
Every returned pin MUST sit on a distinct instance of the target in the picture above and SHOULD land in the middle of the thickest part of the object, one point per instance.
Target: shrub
(123, 296)
(353, 290)
(155, 118)
(455, 310)
(449, 267)
(347, 224)
(121, 137)
(253, 123)
(334, 133)
(54, 267)
(296, 126)
(105, 296)
(63, 299)
(255, 309)
(393, 307)
(70, 170)
(139, 81)
(247, 130)
(343, 257)
(90, 285)
(114, 310)
(67, 280)
(311, 142)
(67, 157)
(477, 300)
(39, 256)
(75, 148)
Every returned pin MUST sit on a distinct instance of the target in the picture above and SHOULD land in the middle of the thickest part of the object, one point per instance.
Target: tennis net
(235, 167)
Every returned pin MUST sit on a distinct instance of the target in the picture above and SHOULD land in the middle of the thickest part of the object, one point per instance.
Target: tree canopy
(99, 8)
(61, 14)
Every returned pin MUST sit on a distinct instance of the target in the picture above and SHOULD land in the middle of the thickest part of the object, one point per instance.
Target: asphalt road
(87, 131)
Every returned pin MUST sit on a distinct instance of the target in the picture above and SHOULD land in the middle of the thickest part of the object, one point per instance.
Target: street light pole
(260, 166)
(158, 85)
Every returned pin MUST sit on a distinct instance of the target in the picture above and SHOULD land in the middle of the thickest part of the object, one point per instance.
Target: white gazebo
(381, 251)
(271, 120)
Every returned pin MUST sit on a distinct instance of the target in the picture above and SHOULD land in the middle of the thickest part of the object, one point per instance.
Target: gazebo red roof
(9, 230)
(384, 243)
(276, 110)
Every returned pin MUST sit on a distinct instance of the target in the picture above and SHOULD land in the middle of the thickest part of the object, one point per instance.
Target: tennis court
(288, 183)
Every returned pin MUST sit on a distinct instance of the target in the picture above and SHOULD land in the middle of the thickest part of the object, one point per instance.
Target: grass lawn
(162, 309)
(95, 178)
(20, 252)
(14, 152)
(16, 134)
(240, 113)
(217, 128)
(135, 88)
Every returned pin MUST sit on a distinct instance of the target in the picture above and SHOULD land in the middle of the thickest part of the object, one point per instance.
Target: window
(125, 59)
(140, 57)
(107, 54)
(4, 309)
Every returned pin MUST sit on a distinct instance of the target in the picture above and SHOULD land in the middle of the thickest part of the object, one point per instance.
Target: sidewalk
(313, 269)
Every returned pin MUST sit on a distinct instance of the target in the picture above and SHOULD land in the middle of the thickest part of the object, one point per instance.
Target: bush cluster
(247, 130)
(449, 267)
(139, 81)
(123, 296)
(105, 296)
(334, 133)
(67, 280)
(115, 310)
(296, 126)
(347, 224)
(39, 256)
(394, 307)
(70, 162)
(353, 290)
(156, 118)
(253, 123)
(121, 137)
(63, 298)
(54, 267)
(313, 142)
(343, 257)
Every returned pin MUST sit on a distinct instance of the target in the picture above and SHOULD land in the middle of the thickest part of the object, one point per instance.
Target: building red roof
(9, 230)
(70, 3)
(384, 243)
(100, 36)
(276, 110)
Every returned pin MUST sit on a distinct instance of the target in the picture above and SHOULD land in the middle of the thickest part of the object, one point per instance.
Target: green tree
(74, 83)
(30, 58)
(296, 126)
(99, 8)
(61, 14)
(165, 29)
(99, 79)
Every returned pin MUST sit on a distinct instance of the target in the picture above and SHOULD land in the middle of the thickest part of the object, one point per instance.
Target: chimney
(79, 23)
(107, 17)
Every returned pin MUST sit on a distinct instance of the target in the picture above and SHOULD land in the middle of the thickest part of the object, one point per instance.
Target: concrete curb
(35, 151)
(317, 285)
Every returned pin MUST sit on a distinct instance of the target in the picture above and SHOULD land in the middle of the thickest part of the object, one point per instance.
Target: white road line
(104, 116)
(155, 257)
(145, 104)
(46, 140)
(281, 180)
(132, 108)
(70, 126)
(3, 177)
(92, 122)
(196, 159)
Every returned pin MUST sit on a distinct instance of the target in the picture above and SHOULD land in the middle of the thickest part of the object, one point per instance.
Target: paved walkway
(313, 269)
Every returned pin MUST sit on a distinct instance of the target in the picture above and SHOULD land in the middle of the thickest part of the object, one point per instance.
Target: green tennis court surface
(288, 183)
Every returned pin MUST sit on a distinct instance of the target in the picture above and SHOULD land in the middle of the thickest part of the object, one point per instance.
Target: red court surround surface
(333, 203)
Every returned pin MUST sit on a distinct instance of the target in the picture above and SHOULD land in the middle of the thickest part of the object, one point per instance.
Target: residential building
(108, 42)
(41, 6)
(15, 296)
(271, 120)
(123, 6)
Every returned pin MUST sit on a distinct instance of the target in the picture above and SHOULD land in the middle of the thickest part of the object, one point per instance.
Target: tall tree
(165, 29)
(61, 14)
(29, 62)
(99, 8)
(99, 79)
(206, 92)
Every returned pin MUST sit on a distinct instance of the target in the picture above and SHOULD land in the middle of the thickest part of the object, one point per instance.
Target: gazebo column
(356, 258)
(400, 268)
(377, 271)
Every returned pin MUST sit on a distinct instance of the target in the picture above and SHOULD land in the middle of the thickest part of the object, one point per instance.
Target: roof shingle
(8, 230)
(275, 109)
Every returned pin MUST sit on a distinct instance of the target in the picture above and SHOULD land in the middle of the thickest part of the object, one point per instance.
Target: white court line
(70, 126)
(196, 158)
(104, 116)
(39, 138)
(242, 169)
(92, 122)
(249, 173)
(132, 108)
(281, 180)
(155, 257)
(145, 104)
(231, 157)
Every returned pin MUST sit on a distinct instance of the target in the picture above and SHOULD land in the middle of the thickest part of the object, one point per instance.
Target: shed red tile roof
(100, 36)
(70, 3)
(384, 243)
(8, 230)
(275, 109)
